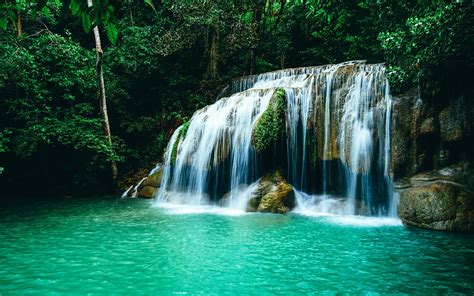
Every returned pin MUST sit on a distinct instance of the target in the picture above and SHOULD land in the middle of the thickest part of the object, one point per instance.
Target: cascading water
(337, 142)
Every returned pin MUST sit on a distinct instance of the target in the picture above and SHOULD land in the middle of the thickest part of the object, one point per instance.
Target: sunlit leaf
(86, 22)
(112, 33)
(150, 3)
(3, 23)
(75, 7)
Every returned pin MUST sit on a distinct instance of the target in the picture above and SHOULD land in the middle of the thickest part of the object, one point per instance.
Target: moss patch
(268, 127)
(181, 135)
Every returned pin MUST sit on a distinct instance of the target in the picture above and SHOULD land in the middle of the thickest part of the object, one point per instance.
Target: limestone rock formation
(147, 186)
(436, 200)
(426, 136)
(150, 184)
(273, 195)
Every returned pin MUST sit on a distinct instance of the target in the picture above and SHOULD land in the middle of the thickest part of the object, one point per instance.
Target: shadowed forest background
(163, 60)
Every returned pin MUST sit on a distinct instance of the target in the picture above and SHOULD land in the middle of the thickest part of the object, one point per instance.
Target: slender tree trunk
(18, 23)
(130, 3)
(101, 91)
(252, 61)
(214, 55)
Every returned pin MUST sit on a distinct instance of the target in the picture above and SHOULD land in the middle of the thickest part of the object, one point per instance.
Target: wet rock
(452, 120)
(428, 126)
(154, 179)
(434, 200)
(146, 192)
(410, 120)
(222, 151)
(132, 179)
(146, 186)
(273, 195)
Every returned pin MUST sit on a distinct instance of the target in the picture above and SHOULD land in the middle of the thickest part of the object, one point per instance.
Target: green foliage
(4, 140)
(152, 6)
(181, 135)
(76, 131)
(11, 11)
(417, 50)
(184, 130)
(48, 98)
(102, 13)
(268, 128)
(155, 72)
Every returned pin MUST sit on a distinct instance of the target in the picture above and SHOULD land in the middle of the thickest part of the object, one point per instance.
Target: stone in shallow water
(435, 201)
(147, 192)
(148, 186)
(273, 195)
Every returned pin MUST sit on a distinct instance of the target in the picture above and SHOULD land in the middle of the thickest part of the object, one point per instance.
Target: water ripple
(109, 246)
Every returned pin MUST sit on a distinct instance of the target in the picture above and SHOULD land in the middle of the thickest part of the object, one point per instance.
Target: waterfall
(336, 141)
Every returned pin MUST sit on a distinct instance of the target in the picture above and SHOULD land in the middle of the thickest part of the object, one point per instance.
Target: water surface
(110, 245)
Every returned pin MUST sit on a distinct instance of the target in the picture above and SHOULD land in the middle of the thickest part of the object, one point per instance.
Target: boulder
(434, 200)
(272, 195)
(154, 179)
(146, 192)
(145, 187)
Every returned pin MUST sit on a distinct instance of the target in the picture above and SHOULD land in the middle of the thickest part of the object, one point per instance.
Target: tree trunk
(213, 68)
(130, 3)
(18, 23)
(101, 92)
(282, 61)
(253, 61)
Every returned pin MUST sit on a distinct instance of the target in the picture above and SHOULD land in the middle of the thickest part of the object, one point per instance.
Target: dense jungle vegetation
(163, 59)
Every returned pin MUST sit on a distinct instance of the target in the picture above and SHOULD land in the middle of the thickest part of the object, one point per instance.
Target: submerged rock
(434, 200)
(273, 195)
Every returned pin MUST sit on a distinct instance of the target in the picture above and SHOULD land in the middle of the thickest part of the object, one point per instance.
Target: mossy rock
(183, 129)
(273, 195)
(268, 128)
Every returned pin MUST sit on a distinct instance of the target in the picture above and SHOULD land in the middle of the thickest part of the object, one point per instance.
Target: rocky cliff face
(428, 136)
(432, 144)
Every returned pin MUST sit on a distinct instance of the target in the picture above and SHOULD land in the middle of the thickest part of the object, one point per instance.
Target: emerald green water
(113, 246)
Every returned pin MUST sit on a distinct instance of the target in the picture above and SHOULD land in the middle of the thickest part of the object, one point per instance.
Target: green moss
(181, 135)
(268, 127)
